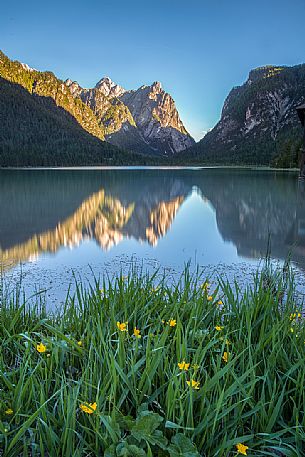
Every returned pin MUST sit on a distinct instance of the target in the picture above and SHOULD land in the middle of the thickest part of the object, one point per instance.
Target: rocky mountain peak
(74, 87)
(156, 116)
(25, 66)
(145, 120)
(109, 88)
(156, 86)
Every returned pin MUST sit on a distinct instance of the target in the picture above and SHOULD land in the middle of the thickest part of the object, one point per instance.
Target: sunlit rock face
(109, 88)
(109, 110)
(258, 121)
(144, 120)
(157, 118)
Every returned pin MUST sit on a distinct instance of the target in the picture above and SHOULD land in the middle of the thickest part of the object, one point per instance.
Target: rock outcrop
(143, 120)
(258, 122)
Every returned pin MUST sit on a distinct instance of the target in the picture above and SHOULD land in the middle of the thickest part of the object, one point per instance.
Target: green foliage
(182, 446)
(145, 406)
(289, 154)
(145, 432)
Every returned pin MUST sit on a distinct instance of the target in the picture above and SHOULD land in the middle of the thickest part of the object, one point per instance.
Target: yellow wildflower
(88, 408)
(294, 316)
(122, 326)
(210, 298)
(225, 357)
(193, 383)
(9, 411)
(79, 343)
(218, 328)
(155, 289)
(41, 347)
(172, 322)
(137, 332)
(183, 366)
(241, 449)
(220, 302)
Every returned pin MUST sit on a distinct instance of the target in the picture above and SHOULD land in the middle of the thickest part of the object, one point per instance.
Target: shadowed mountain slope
(34, 131)
(258, 124)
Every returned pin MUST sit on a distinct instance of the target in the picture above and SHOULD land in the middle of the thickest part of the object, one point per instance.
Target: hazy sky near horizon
(198, 49)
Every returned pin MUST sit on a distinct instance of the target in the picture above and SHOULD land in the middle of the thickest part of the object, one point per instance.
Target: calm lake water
(53, 222)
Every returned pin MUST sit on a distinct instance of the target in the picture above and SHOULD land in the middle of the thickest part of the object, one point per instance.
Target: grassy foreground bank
(131, 368)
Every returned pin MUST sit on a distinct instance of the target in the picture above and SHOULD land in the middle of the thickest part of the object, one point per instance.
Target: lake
(55, 222)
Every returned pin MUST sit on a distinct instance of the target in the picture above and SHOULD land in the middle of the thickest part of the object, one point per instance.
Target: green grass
(144, 405)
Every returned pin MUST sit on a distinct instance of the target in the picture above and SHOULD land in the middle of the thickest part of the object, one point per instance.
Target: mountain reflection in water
(44, 210)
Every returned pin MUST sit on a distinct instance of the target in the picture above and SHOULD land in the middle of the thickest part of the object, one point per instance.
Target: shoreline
(158, 167)
(54, 285)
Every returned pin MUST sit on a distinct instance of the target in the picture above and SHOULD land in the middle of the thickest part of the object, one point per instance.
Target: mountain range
(45, 121)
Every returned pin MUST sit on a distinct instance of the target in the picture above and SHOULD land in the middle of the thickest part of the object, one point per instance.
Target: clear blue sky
(198, 49)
